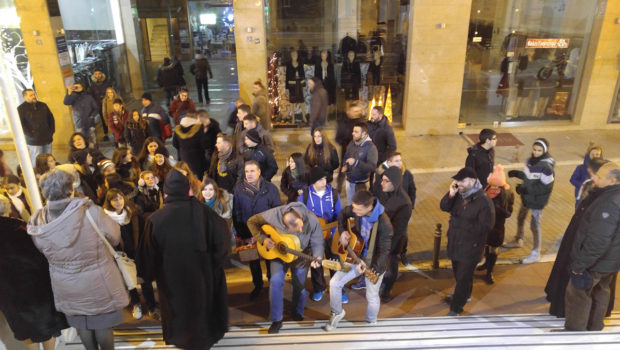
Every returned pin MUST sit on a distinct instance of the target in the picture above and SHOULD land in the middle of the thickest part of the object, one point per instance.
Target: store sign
(63, 51)
(547, 43)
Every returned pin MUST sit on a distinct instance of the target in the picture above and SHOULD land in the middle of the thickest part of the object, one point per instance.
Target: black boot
(491, 259)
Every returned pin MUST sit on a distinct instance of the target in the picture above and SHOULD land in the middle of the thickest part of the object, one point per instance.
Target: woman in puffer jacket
(88, 286)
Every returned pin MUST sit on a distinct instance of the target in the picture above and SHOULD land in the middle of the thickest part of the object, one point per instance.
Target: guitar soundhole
(281, 246)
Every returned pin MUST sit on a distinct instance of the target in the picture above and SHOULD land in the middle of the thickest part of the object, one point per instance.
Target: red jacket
(116, 122)
(178, 108)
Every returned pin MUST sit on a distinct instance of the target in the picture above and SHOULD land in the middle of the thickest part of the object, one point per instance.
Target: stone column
(435, 65)
(251, 46)
(132, 38)
(600, 75)
(39, 31)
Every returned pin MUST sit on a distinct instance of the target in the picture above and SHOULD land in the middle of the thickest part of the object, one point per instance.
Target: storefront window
(95, 41)
(15, 59)
(357, 49)
(524, 59)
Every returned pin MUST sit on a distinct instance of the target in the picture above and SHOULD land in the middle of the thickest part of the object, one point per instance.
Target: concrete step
(526, 331)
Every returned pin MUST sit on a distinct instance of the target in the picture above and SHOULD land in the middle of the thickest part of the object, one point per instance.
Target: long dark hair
(161, 171)
(298, 159)
(325, 145)
(144, 152)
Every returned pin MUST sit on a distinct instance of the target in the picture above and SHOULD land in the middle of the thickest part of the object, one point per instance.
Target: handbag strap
(105, 241)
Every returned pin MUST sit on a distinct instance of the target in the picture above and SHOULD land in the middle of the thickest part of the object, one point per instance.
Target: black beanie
(79, 156)
(162, 150)
(253, 135)
(395, 175)
(316, 174)
(176, 184)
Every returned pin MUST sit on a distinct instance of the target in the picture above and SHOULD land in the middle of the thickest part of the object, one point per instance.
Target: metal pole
(10, 103)
(437, 246)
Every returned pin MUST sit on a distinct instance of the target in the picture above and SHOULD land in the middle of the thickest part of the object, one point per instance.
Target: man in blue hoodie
(322, 200)
(372, 226)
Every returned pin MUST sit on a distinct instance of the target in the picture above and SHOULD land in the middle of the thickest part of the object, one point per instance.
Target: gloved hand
(513, 173)
(581, 281)
(521, 189)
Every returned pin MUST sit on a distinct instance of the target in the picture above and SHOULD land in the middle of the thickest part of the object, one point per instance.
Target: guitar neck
(353, 255)
(299, 254)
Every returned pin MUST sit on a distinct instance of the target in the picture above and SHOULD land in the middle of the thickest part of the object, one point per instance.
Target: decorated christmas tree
(388, 106)
(272, 85)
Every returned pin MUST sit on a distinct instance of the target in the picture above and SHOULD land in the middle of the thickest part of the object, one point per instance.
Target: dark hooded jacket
(259, 153)
(408, 183)
(397, 207)
(84, 109)
(26, 297)
(383, 242)
(481, 160)
(184, 248)
(382, 136)
(289, 185)
(190, 142)
(318, 105)
(538, 177)
(228, 178)
(169, 75)
(97, 89)
(471, 220)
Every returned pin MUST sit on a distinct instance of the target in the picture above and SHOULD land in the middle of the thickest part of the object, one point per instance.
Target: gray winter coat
(85, 278)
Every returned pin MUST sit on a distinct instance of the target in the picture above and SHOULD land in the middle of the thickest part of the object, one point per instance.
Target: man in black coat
(38, 124)
(195, 242)
(254, 150)
(372, 226)
(201, 69)
(211, 129)
(398, 208)
(481, 156)
(595, 255)
(381, 133)
(190, 142)
(472, 216)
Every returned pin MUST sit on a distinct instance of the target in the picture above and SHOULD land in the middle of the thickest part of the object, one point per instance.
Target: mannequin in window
(347, 44)
(295, 82)
(374, 70)
(324, 70)
(351, 77)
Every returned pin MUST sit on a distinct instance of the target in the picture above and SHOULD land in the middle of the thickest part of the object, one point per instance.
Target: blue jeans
(352, 187)
(337, 282)
(36, 150)
(276, 286)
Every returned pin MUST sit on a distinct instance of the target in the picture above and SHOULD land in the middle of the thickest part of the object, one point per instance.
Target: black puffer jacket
(481, 160)
(471, 220)
(597, 245)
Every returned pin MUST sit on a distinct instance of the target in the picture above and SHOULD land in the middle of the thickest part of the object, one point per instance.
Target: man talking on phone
(472, 216)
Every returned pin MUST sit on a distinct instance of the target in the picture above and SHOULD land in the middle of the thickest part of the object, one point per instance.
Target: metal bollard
(437, 246)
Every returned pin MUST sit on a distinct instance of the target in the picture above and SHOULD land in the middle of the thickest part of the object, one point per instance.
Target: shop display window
(524, 59)
(356, 48)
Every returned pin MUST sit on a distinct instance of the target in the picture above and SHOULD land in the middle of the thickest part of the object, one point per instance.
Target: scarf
(122, 219)
(361, 142)
(221, 163)
(20, 205)
(210, 202)
(294, 173)
(475, 188)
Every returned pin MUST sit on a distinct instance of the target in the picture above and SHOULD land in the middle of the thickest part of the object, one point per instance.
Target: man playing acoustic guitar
(293, 218)
(371, 228)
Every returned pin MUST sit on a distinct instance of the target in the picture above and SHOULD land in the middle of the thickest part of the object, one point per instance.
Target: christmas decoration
(272, 85)
(388, 106)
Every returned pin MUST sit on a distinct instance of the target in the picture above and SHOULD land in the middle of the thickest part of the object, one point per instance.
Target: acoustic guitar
(327, 227)
(287, 248)
(353, 250)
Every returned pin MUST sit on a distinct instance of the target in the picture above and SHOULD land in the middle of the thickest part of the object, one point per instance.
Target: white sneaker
(333, 321)
(137, 312)
(532, 258)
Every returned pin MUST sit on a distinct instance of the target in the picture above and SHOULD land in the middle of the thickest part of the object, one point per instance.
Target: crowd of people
(180, 217)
